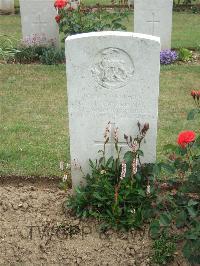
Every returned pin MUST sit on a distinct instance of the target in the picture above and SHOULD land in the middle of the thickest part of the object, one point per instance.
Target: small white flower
(134, 166)
(65, 178)
(116, 134)
(148, 191)
(103, 172)
(61, 165)
(68, 166)
(135, 146)
(123, 172)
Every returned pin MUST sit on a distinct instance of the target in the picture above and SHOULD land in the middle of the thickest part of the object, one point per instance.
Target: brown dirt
(35, 229)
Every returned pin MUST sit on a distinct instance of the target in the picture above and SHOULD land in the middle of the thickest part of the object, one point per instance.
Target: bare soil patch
(35, 229)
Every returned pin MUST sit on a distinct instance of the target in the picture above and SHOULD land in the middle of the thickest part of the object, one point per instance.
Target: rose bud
(145, 129)
(139, 125)
(193, 94)
(57, 18)
(125, 137)
(146, 126)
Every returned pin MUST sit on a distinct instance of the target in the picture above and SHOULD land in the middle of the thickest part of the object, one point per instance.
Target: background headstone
(111, 76)
(154, 17)
(38, 21)
(7, 7)
(74, 3)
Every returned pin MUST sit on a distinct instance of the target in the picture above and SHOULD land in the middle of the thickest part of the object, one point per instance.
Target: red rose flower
(60, 4)
(185, 138)
(57, 18)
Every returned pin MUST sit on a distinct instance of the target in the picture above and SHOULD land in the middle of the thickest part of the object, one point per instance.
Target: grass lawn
(11, 26)
(34, 125)
(34, 121)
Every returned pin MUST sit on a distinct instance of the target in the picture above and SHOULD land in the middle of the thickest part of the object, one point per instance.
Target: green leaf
(192, 202)
(141, 192)
(129, 156)
(110, 160)
(138, 177)
(181, 219)
(140, 153)
(170, 147)
(192, 114)
(156, 169)
(169, 168)
(197, 141)
(192, 212)
(101, 160)
(155, 229)
(165, 219)
(91, 163)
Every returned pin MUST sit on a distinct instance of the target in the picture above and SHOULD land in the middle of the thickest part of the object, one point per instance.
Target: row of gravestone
(38, 19)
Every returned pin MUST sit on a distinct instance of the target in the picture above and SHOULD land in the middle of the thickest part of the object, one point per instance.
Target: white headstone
(111, 76)
(74, 3)
(154, 17)
(7, 6)
(38, 21)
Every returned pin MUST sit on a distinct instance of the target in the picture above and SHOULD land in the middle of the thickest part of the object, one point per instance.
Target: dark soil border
(39, 181)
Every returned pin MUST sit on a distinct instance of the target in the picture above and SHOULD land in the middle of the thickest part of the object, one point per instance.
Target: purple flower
(168, 57)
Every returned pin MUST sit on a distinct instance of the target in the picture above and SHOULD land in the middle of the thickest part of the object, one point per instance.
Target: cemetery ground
(34, 140)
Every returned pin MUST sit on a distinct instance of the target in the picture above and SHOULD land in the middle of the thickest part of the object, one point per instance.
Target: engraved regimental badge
(113, 68)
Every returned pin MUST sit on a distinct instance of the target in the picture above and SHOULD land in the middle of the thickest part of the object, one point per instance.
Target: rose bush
(83, 19)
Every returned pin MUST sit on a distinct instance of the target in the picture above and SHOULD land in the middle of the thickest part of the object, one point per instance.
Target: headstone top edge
(39, 1)
(113, 34)
(169, 1)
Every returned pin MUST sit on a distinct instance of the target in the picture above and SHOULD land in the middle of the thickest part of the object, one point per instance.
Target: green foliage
(29, 54)
(184, 2)
(116, 192)
(38, 53)
(82, 19)
(26, 54)
(192, 113)
(185, 55)
(51, 56)
(7, 49)
(192, 245)
(163, 249)
(181, 206)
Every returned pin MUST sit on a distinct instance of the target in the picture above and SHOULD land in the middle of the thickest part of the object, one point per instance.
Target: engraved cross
(40, 22)
(153, 21)
(111, 143)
